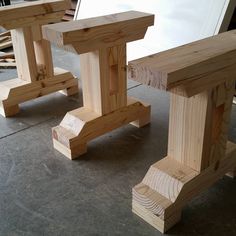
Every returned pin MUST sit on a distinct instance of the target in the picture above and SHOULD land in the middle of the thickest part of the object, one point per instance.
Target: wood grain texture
(43, 54)
(166, 176)
(24, 13)
(101, 41)
(198, 126)
(36, 75)
(24, 53)
(104, 79)
(189, 69)
(15, 91)
(105, 31)
(153, 220)
(82, 125)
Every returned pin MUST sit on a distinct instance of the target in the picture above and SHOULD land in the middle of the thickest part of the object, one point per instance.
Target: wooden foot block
(82, 125)
(155, 220)
(72, 152)
(70, 91)
(16, 91)
(169, 185)
(8, 111)
(145, 119)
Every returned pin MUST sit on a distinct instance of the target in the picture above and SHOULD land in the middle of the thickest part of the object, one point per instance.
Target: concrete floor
(44, 193)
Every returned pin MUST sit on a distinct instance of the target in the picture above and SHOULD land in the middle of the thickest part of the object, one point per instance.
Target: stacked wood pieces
(5, 40)
(7, 60)
(69, 14)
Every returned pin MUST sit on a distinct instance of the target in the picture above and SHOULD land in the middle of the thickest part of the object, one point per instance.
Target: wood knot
(47, 7)
(86, 29)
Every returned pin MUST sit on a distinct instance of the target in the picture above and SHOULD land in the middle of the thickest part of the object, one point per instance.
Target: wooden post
(101, 41)
(36, 75)
(23, 46)
(201, 78)
(43, 53)
(104, 76)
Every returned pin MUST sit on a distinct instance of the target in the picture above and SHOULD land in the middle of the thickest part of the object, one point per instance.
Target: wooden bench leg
(198, 155)
(71, 91)
(106, 106)
(36, 75)
(169, 185)
(82, 125)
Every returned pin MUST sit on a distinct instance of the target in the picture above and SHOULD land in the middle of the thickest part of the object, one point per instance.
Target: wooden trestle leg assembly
(201, 78)
(101, 41)
(36, 75)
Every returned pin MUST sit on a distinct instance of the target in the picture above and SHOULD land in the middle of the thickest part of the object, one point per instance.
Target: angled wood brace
(36, 75)
(201, 78)
(101, 41)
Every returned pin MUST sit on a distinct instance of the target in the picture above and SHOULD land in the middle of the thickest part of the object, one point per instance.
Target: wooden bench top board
(189, 69)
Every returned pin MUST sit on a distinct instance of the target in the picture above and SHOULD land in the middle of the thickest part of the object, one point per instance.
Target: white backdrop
(177, 22)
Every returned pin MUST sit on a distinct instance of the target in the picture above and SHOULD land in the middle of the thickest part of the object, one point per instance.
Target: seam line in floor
(18, 131)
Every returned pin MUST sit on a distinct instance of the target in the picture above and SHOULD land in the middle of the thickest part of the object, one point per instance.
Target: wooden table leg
(101, 43)
(198, 155)
(36, 75)
(106, 106)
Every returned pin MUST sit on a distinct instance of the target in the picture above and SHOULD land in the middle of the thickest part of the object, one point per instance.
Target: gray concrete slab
(43, 193)
(37, 111)
(43, 109)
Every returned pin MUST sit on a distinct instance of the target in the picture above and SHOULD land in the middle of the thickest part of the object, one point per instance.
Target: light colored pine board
(179, 185)
(105, 79)
(43, 57)
(6, 33)
(198, 126)
(7, 55)
(70, 12)
(10, 60)
(31, 21)
(94, 33)
(41, 12)
(7, 65)
(16, 91)
(36, 75)
(189, 69)
(5, 45)
(24, 53)
(153, 220)
(5, 38)
(67, 18)
(82, 125)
